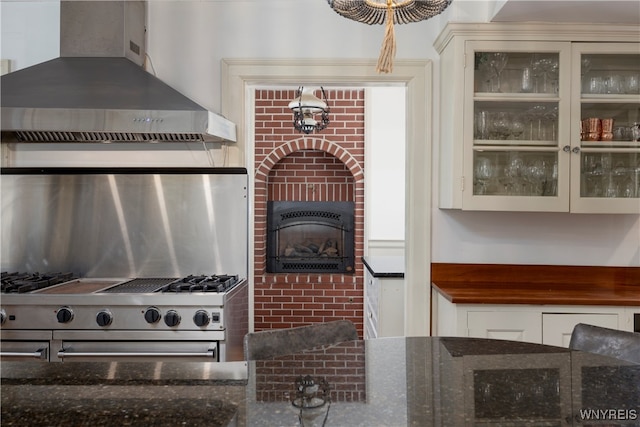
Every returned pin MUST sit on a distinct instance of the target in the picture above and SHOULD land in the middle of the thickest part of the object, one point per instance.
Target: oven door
(82, 346)
(25, 345)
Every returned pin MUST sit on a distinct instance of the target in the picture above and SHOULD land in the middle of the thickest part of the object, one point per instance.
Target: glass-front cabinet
(529, 122)
(519, 111)
(606, 127)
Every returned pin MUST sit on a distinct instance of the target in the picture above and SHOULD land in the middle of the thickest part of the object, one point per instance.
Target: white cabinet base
(542, 324)
(557, 327)
(384, 306)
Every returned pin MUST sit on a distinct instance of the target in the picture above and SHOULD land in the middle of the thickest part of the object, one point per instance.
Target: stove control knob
(152, 315)
(104, 318)
(64, 315)
(201, 318)
(3, 317)
(172, 318)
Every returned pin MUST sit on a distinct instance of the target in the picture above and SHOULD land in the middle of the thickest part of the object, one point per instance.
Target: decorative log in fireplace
(310, 237)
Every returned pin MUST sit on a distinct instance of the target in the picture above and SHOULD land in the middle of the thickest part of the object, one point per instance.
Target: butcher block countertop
(537, 284)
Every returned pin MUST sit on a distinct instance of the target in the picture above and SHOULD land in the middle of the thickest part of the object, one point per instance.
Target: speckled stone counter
(415, 381)
(123, 394)
(447, 382)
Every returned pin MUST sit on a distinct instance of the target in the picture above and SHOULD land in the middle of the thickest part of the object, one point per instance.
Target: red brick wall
(327, 166)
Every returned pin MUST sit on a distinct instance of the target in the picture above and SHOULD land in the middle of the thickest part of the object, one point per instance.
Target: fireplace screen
(310, 237)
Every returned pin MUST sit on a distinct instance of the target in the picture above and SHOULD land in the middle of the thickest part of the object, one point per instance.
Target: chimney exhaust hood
(98, 91)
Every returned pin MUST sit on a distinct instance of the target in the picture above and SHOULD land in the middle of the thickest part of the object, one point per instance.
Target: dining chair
(278, 342)
(621, 345)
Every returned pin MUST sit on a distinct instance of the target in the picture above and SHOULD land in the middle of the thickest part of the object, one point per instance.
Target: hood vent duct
(31, 136)
(98, 91)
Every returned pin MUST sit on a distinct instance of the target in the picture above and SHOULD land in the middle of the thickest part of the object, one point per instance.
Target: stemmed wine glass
(536, 173)
(484, 173)
(517, 126)
(497, 61)
(551, 116)
(546, 68)
(534, 117)
(500, 126)
(513, 172)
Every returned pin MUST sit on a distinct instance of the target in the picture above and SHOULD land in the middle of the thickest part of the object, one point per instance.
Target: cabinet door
(516, 134)
(557, 327)
(506, 325)
(391, 308)
(605, 128)
(372, 298)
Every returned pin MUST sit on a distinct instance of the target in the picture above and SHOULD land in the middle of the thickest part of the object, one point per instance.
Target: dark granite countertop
(123, 393)
(385, 266)
(415, 381)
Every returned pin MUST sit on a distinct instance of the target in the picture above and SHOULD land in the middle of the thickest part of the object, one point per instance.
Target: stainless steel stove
(116, 295)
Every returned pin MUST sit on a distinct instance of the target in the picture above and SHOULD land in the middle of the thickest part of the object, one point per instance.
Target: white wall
(384, 163)
(187, 40)
(30, 32)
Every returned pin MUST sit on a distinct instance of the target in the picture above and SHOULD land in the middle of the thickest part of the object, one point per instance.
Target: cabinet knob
(566, 148)
(576, 150)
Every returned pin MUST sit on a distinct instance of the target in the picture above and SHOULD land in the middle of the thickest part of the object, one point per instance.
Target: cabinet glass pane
(516, 72)
(610, 105)
(615, 175)
(515, 173)
(516, 123)
(610, 74)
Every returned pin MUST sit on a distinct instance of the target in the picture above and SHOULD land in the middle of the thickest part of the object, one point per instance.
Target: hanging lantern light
(392, 12)
(306, 107)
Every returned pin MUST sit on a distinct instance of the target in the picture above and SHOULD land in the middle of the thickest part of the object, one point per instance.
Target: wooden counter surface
(537, 284)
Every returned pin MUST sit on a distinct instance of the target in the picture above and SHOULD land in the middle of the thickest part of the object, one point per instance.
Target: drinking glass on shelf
(500, 126)
(627, 189)
(484, 172)
(545, 68)
(596, 85)
(551, 181)
(535, 119)
(535, 174)
(613, 84)
(612, 188)
(517, 127)
(632, 84)
(551, 119)
(498, 61)
(585, 65)
(490, 67)
(482, 125)
(513, 172)
(526, 82)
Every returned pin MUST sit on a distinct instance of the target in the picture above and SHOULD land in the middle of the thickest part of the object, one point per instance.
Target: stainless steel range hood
(98, 91)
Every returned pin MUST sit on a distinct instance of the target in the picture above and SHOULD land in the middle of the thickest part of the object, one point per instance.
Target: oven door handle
(211, 353)
(40, 354)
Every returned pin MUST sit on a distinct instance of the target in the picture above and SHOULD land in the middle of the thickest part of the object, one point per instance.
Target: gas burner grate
(28, 282)
(140, 286)
(216, 283)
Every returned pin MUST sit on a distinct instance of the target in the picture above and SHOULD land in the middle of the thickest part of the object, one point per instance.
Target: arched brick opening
(327, 163)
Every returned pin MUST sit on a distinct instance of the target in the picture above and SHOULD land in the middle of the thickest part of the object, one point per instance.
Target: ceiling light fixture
(305, 107)
(389, 11)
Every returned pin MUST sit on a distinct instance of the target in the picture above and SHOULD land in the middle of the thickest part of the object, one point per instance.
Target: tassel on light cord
(388, 49)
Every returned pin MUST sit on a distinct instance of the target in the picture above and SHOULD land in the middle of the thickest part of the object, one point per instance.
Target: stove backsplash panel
(129, 222)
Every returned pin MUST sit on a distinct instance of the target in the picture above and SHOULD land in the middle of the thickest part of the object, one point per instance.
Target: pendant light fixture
(392, 12)
(306, 106)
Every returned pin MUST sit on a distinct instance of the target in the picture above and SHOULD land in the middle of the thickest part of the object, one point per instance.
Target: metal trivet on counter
(311, 397)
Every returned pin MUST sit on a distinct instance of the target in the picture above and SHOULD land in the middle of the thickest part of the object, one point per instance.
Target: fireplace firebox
(310, 237)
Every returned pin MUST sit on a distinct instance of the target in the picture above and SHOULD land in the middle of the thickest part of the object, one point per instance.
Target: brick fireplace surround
(325, 166)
